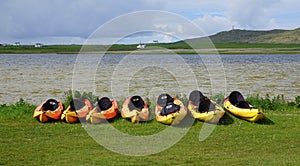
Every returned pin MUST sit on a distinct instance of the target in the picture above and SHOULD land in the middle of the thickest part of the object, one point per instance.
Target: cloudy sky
(74, 21)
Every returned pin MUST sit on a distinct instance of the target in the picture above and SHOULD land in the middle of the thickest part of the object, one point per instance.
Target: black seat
(203, 103)
(50, 104)
(169, 108)
(136, 103)
(164, 99)
(237, 99)
(104, 104)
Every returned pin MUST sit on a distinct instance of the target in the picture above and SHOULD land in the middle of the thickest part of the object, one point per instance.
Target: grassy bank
(180, 48)
(28, 49)
(274, 141)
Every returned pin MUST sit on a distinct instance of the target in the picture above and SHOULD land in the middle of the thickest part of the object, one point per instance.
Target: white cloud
(62, 19)
(213, 24)
(145, 23)
(33, 18)
(251, 14)
(148, 38)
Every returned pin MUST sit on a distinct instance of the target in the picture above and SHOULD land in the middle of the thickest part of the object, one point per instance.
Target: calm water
(36, 77)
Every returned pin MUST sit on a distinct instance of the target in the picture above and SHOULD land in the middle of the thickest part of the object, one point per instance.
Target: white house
(141, 45)
(17, 44)
(38, 45)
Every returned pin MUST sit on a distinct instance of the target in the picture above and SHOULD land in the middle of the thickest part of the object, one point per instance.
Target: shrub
(19, 110)
(219, 98)
(277, 103)
(69, 95)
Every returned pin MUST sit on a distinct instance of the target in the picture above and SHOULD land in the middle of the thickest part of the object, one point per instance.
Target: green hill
(252, 36)
(288, 37)
(238, 36)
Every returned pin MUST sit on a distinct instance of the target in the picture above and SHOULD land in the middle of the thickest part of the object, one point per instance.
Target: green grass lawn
(274, 141)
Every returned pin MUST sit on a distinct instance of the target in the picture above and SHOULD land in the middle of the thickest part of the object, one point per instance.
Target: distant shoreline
(173, 51)
(203, 51)
(163, 48)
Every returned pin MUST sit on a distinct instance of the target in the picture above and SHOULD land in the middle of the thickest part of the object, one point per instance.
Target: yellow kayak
(173, 118)
(212, 116)
(48, 110)
(102, 113)
(249, 113)
(135, 109)
(74, 115)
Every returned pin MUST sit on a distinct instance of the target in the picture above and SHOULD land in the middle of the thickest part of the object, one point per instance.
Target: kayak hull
(47, 115)
(95, 116)
(135, 115)
(78, 115)
(251, 115)
(173, 118)
(212, 116)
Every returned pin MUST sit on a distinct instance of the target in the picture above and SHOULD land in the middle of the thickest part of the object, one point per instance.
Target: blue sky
(72, 22)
